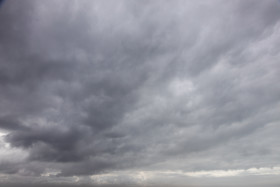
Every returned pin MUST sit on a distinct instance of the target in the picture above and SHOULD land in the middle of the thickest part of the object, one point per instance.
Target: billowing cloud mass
(139, 92)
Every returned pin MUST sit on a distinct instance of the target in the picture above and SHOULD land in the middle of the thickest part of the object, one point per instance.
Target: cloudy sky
(140, 93)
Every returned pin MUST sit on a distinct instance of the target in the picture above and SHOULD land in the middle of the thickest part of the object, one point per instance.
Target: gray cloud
(93, 87)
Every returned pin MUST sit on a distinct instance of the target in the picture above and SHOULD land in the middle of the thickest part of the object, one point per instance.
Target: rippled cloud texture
(139, 92)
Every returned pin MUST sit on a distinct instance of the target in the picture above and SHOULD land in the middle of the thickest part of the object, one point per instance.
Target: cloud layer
(91, 87)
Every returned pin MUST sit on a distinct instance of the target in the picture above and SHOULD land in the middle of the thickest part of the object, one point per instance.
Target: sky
(140, 93)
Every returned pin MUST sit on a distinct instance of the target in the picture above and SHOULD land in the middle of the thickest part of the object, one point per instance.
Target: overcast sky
(140, 92)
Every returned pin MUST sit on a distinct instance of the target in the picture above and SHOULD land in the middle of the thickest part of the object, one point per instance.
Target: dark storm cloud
(92, 94)
(90, 87)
